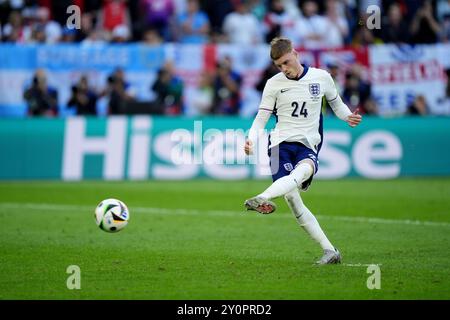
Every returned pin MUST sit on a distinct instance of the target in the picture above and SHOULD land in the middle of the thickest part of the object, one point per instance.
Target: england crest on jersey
(314, 89)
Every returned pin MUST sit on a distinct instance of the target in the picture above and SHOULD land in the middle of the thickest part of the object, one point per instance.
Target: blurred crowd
(217, 93)
(310, 24)
(321, 24)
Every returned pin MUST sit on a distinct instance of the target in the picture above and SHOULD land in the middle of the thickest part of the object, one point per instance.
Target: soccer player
(294, 96)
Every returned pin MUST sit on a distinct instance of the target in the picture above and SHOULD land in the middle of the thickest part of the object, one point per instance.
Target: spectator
(241, 26)
(37, 34)
(442, 9)
(152, 37)
(292, 7)
(351, 13)
(121, 34)
(169, 90)
(217, 10)
(418, 107)
(312, 29)
(193, 25)
(357, 92)
(69, 35)
(351, 94)
(258, 8)
(180, 6)
(424, 27)
(95, 37)
(158, 14)
(137, 24)
(119, 92)
(227, 84)
(445, 31)
(52, 29)
(395, 29)
(203, 96)
(114, 14)
(42, 99)
(87, 26)
(443, 14)
(5, 11)
(278, 21)
(15, 30)
(338, 29)
(83, 99)
(362, 36)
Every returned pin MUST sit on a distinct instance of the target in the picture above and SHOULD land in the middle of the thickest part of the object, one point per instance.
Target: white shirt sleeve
(339, 107)
(269, 97)
(266, 107)
(259, 123)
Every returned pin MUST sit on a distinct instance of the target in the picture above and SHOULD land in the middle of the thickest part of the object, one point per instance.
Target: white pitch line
(167, 211)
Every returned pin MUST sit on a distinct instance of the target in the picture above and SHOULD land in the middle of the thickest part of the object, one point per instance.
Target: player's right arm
(265, 110)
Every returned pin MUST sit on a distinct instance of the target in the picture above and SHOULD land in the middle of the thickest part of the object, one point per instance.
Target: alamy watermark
(74, 280)
(374, 280)
(214, 147)
(74, 20)
(373, 20)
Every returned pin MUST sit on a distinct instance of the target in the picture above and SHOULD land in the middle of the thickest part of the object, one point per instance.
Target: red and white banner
(400, 73)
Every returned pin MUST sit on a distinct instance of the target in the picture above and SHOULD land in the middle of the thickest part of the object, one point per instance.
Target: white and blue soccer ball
(112, 215)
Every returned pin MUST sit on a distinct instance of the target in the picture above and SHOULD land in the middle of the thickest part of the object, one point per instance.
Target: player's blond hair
(279, 47)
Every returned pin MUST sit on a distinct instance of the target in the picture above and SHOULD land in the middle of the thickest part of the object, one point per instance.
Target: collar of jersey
(305, 70)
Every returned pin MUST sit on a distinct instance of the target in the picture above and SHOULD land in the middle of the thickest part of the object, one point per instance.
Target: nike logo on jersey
(285, 89)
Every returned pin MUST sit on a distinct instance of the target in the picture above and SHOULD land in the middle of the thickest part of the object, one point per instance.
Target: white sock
(288, 183)
(307, 220)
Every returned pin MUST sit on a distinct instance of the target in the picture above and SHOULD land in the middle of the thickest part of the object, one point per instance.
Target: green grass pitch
(193, 240)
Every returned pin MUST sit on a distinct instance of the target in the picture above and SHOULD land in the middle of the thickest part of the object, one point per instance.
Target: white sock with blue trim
(307, 220)
(288, 183)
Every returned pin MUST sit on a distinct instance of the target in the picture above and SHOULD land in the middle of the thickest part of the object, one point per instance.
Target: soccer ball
(112, 215)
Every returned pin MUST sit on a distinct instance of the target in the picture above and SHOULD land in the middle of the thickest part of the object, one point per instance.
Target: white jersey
(297, 105)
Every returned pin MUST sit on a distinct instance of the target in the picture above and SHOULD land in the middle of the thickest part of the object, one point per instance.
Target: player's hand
(248, 147)
(354, 119)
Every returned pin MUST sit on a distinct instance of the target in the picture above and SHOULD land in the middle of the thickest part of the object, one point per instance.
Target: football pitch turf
(193, 240)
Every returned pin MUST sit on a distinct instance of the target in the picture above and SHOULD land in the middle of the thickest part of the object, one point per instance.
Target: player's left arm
(340, 109)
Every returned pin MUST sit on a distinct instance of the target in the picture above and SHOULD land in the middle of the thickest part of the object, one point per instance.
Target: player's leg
(310, 224)
(302, 172)
(280, 166)
(281, 186)
(307, 220)
(260, 205)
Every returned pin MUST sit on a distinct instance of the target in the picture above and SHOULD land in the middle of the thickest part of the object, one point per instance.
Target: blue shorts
(285, 156)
